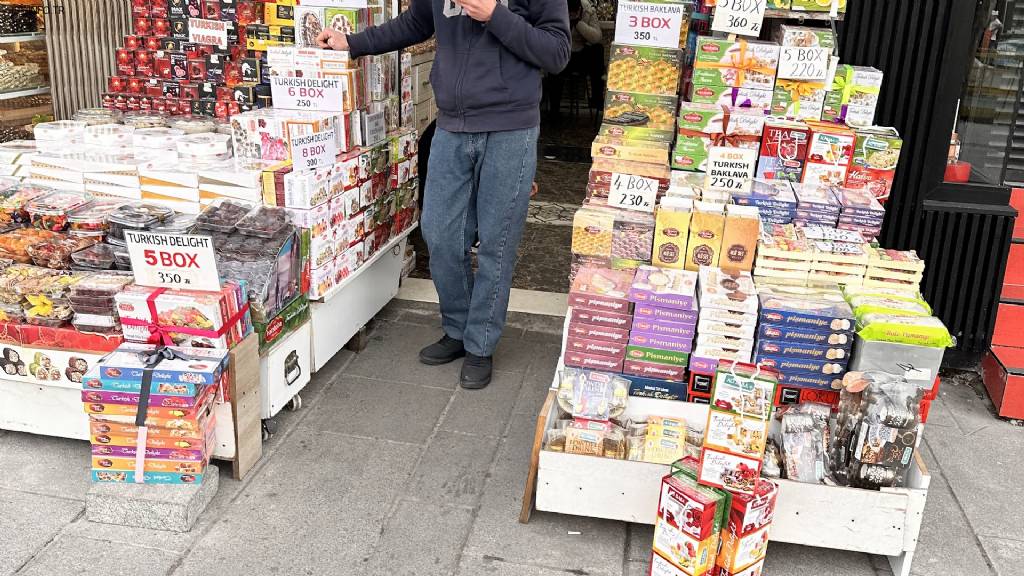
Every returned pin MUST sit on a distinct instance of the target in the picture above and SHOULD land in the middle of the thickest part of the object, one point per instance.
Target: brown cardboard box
(705, 242)
(739, 238)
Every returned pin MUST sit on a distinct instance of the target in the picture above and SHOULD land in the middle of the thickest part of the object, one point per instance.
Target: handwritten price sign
(173, 260)
(633, 192)
(744, 17)
(798, 63)
(648, 24)
(315, 94)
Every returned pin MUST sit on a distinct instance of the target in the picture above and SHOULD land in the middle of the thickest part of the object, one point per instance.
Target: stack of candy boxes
(664, 323)
(173, 441)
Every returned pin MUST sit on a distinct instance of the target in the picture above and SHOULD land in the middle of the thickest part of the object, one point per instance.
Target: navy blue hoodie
(486, 76)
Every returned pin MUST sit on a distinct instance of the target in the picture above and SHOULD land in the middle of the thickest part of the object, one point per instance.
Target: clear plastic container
(135, 216)
(11, 312)
(57, 254)
(109, 135)
(14, 244)
(122, 261)
(58, 316)
(222, 216)
(95, 116)
(14, 199)
(95, 257)
(178, 224)
(99, 287)
(263, 222)
(50, 211)
(95, 323)
(93, 217)
(156, 138)
(192, 124)
(144, 120)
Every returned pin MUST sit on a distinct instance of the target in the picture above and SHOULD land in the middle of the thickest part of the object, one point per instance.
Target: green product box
(687, 468)
(700, 125)
(737, 63)
(853, 95)
(634, 133)
(728, 96)
(293, 315)
(815, 5)
(671, 357)
(779, 4)
(802, 100)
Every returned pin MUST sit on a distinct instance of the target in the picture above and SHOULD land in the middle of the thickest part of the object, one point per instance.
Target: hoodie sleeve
(411, 27)
(545, 44)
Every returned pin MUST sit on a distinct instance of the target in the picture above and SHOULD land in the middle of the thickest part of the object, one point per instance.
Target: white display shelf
(24, 92)
(28, 37)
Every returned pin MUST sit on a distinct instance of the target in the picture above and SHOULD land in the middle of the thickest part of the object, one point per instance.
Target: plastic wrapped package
(805, 442)
(592, 395)
(593, 231)
(177, 224)
(62, 132)
(14, 244)
(97, 116)
(135, 216)
(92, 218)
(11, 312)
(144, 119)
(633, 236)
(51, 211)
(11, 277)
(157, 138)
(57, 254)
(13, 201)
(263, 222)
(926, 331)
(222, 216)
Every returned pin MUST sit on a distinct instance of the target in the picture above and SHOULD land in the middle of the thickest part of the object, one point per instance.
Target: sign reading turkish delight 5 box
(730, 169)
(648, 24)
(314, 150)
(633, 192)
(314, 94)
(739, 17)
(173, 260)
(802, 63)
(210, 32)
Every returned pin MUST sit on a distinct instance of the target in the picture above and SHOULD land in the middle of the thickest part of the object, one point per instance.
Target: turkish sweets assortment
(134, 216)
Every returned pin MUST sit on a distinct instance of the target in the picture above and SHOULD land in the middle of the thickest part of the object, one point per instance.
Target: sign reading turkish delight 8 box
(648, 24)
(739, 17)
(210, 32)
(804, 63)
(730, 169)
(317, 94)
(314, 150)
(633, 192)
(173, 260)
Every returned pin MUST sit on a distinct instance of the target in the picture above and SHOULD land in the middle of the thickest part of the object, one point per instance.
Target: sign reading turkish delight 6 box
(743, 17)
(210, 32)
(802, 63)
(314, 150)
(648, 24)
(730, 169)
(314, 94)
(633, 192)
(173, 260)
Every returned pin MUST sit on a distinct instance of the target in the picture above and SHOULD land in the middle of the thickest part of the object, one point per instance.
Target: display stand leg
(901, 564)
(538, 441)
(360, 340)
(244, 390)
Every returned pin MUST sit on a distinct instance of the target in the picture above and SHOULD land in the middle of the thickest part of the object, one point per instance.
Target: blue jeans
(478, 185)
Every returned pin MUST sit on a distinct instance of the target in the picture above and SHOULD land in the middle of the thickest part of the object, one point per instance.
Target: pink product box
(601, 318)
(674, 329)
(603, 333)
(650, 312)
(654, 370)
(155, 453)
(592, 361)
(132, 399)
(598, 302)
(661, 342)
(602, 347)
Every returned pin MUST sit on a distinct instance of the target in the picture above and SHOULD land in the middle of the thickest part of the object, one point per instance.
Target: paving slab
(945, 524)
(484, 412)
(453, 468)
(421, 539)
(537, 380)
(516, 354)
(555, 541)
(984, 470)
(537, 327)
(30, 463)
(28, 522)
(793, 560)
(641, 538)
(71, 555)
(393, 355)
(318, 507)
(1007, 555)
(378, 409)
(968, 405)
(638, 567)
(480, 565)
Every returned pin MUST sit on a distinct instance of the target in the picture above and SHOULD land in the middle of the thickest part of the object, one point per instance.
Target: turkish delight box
(759, 100)
(799, 99)
(603, 347)
(714, 327)
(736, 433)
(592, 361)
(829, 154)
(128, 477)
(691, 555)
(750, 512)
(769, 194)
(701, 126)
(876, 153)
(853, 95)
(815, 5)
(195, 365)
(666, 288)
(630, 150)
(729, 471)
(737, 63)
(804, 36)
(660, 342)
(744, 389)
(689, 507)
(657, 388)
(213, 316)
(741, 552)
(604, 333)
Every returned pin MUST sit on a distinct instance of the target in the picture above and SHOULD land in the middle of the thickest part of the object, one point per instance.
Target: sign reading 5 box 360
(173, 260)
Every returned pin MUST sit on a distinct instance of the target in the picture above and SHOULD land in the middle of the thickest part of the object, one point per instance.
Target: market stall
(741, 359)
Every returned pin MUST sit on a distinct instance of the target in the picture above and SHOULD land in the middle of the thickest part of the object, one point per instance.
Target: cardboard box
(760, 100)
(655, 313)
(601, 333)
(744, 389)
(665, 288)
(705, 242)
(804, 36)
(783, 151)
(639, 116)
(799, 99)
(601, 318)
(797, 350)
(739, 63)
(701, 126)
(788, 365)
(600, 347)
(592, 361)
(741, 552)
(644, 69)
(810, 380)
(853, 96)
(671, 230)
(601, 289)
(630, 150)
(829, 154)
(202, 366)
(732, 472)
(647, 340)
(690, 508)
(656, 388)
(876, 153)
(800, 336)
(751, 512)
(662, 328)
(739, 237)
(735, 433)
(654, 370)
(657, 355)
(808, 310)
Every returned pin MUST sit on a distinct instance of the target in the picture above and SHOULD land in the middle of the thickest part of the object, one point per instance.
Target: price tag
(648, 24)
(374, 128)
(730, 169)
(314, 150)
(633, 192)
(173, 260)
(210, 32)
(744, 17)
(799, 63)
(315, 94)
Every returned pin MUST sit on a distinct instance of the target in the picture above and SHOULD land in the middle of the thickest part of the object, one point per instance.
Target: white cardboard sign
(648, 24)
(179, 261)
(744, 17)
(314, 150)
(210, 32)
(800, 63)
(730, 169)
(633, 192)
(313, 94)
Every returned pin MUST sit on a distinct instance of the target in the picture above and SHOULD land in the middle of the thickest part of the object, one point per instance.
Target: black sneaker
(443, 351)
(476, 372)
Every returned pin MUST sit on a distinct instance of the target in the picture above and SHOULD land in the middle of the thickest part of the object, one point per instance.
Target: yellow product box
(671, 230)
(738, 553)
(663, 450)
(278, 14)
(694, 557)
(635, 150)
(705, 241)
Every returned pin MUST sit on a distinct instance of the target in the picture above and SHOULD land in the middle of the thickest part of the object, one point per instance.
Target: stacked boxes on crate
(860, 211)
(172, 440)
(597, 334)
(664, 323)
(690, 520)
(815, 206)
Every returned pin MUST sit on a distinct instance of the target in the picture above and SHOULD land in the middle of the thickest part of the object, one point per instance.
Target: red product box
(783, 150)
(1003, 373)
(189, 91)
(132, 42)
(161, 27)
(143, 26)
(144, 70)
(687, 507)
(140, 7)
(222, 93)
(654, 370)
(220, 110)
(159, 104)
(162, 66)
(197, 69)
(146, 103)
(179, 66)
(601, 318)
(132, 103)
(153, 87)
(158, 9)
(601, 289)
(235, 108)
(732, 472)
(116, 84)
(592, 361)
(152, 43)
(603, 333)
(171, 89)
(247, 13)
(125, 61)
(193, 50)
(602, 347)
(750, 512)
(143, 56)
(786, 395)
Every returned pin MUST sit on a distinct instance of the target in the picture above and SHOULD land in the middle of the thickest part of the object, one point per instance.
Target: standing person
(486, 81)
(587, 57)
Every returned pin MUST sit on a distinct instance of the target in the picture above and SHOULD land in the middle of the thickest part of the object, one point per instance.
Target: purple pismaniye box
(650, 312)
(674, 329)
(661, 342)
(665, 288)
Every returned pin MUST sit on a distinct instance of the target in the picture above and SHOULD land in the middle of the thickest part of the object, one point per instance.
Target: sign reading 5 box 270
(173, 260)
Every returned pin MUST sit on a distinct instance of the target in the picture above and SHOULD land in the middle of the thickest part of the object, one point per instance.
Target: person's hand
(479, 10)
(331, 39)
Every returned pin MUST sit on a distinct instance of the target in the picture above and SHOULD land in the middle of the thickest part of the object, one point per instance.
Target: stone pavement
(390, 469)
